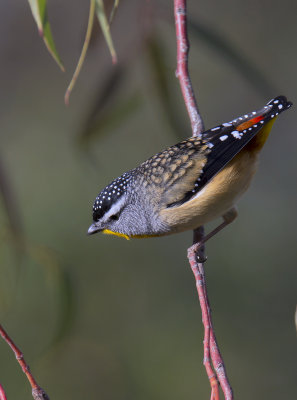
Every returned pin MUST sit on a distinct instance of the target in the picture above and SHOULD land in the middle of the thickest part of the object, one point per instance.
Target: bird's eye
(114, 217)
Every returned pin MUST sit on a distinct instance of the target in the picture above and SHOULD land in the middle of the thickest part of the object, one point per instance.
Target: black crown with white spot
(110, 195)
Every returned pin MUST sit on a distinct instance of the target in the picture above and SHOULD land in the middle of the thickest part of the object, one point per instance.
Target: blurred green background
(101, 317)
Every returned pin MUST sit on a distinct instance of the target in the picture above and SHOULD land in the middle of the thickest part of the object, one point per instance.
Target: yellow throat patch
(122, 235)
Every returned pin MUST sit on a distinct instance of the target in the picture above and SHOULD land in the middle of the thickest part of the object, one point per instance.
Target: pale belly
(216, 198)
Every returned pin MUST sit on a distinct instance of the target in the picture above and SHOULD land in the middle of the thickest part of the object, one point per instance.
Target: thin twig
(37, 392)
(182, 72)
(212, 354)
(2, 393)
(208, 343)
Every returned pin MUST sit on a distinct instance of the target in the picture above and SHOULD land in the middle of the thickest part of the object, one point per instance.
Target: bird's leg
(228, 217)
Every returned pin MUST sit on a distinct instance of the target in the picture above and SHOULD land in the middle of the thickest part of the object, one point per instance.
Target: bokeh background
(101, 317)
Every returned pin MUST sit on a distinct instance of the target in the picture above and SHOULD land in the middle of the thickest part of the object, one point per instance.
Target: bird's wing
(218, 147)
(173, 172)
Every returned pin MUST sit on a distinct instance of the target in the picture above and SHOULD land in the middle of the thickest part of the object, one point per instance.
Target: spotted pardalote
(188, 184)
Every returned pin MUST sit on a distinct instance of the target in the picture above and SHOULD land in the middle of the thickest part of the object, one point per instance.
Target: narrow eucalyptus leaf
(103, 21)
(83, 52)
(39, 11)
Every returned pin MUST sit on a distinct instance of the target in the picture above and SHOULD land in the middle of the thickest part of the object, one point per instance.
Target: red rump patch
(249, 123)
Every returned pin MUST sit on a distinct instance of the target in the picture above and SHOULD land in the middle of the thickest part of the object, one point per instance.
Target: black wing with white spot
(226, 140)
(224, 143)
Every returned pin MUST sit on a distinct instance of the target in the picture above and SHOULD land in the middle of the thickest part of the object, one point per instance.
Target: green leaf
(39, 11)
(83, 52)
(103, 21)
(114, 10)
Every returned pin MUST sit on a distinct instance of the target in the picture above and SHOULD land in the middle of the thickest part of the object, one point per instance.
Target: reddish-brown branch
(182, 72)
(37, 392)
(208, 343)
(2, 393)
(212, 354)
(219, 366)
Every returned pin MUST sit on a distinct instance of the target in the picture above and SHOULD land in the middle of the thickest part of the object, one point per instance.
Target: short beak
(93, 229)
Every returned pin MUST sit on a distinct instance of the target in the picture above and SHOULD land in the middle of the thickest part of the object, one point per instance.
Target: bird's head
(120, 209)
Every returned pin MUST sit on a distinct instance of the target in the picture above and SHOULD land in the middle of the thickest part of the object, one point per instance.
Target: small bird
(188, 184)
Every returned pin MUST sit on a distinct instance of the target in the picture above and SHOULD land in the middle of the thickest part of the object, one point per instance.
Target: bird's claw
(201, 258)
